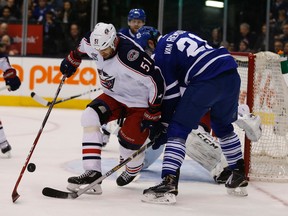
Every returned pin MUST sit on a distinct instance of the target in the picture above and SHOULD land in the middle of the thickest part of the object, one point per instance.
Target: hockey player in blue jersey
(136, 19)
(212, 84)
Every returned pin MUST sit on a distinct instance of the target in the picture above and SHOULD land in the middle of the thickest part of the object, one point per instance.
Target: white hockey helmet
(103, 36)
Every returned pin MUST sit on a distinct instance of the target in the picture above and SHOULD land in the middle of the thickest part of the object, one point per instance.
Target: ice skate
(6, 148)
(125, 178)
(223, 176)
(88, 177)
(163, 193)
(237, 183)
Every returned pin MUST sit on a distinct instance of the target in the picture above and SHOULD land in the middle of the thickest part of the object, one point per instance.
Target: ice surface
(58, 156)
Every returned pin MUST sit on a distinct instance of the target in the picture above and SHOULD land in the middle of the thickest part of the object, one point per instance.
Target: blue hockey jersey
(185, 58)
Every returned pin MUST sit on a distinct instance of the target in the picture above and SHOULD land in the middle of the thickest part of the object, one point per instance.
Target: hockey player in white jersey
(212, 84)
(12, 82)
(132, 89)
(136, 19)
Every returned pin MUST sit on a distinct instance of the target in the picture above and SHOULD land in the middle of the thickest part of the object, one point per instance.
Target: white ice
(58, 156)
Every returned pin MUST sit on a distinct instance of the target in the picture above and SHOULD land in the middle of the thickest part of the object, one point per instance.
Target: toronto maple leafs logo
(106, 80)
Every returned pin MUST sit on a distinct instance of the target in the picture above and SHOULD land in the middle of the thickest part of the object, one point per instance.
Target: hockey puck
(31, 167)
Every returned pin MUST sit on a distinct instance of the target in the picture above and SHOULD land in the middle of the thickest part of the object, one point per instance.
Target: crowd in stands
(65, 21)
(252, 41)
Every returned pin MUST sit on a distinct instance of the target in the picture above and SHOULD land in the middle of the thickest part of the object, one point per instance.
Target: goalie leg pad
(203, 148)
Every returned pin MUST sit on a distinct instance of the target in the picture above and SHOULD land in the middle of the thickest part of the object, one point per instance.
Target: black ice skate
(163, 193)
(6, 148)
(223, 176)
(124, 179)
(237, 183)
(88, 177)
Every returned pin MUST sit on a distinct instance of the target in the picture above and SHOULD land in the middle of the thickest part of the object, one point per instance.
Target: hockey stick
(15, 194)
(44, 102)
(50, 192)
(4, 87)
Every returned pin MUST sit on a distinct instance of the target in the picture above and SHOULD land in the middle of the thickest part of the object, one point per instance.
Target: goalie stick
(15, 194)
(50, 192)
(44, 102)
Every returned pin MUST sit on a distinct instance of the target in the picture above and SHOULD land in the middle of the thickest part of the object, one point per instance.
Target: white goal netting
(268, 97)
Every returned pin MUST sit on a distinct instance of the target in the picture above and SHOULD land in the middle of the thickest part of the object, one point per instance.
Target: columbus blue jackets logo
(94, 56)
(132, 55)
(106, 80)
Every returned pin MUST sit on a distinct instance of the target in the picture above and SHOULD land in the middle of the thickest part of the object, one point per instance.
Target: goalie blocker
(205, 149)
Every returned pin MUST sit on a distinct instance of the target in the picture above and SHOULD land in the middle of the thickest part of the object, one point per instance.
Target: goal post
(264, 90)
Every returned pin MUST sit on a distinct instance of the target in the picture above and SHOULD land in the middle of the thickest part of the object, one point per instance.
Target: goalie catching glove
(70, 64)
(11, 79)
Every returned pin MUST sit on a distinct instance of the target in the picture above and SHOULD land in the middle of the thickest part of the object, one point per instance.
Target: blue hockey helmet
(137, 14)
(146, 33)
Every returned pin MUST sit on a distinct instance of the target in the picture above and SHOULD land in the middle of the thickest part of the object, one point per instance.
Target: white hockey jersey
(129, 76)
(4, 62)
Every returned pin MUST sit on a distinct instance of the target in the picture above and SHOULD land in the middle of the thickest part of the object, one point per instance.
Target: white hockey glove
(250, 123)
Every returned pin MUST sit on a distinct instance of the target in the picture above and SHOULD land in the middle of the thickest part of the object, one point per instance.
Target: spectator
(41, 9)
(15, 10)
(278, 5)
(52, 35)
(83, 10)
(285, 49)
(72, 39)
(245, 33)
(284, 36)
(11, 49)
(281, 20)
(260, 44)
(244, 46)
(6, 15)
(278, 45)
(3, 29)
(216, 38)
(66, 16)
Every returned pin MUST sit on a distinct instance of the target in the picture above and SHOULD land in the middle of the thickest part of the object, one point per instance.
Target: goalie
(203, 148)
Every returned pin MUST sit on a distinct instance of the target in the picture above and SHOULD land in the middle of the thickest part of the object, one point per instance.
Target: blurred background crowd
(64, 22)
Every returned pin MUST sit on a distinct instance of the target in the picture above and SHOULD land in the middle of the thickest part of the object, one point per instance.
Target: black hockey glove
(150, 119)
(161, 136)
(11, 79)
(70, 64)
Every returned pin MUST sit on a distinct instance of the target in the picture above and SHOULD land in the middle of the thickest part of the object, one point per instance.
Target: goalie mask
(103, 36)
(146, 33)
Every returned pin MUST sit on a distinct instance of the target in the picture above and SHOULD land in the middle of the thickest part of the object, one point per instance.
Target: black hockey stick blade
(51, 192)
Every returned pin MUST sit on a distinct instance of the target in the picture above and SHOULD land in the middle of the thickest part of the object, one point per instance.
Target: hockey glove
(11, 79)
(70, 64)
(161, 136)
(150, 119)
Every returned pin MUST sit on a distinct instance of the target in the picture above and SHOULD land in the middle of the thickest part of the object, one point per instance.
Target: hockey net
(264, 90)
